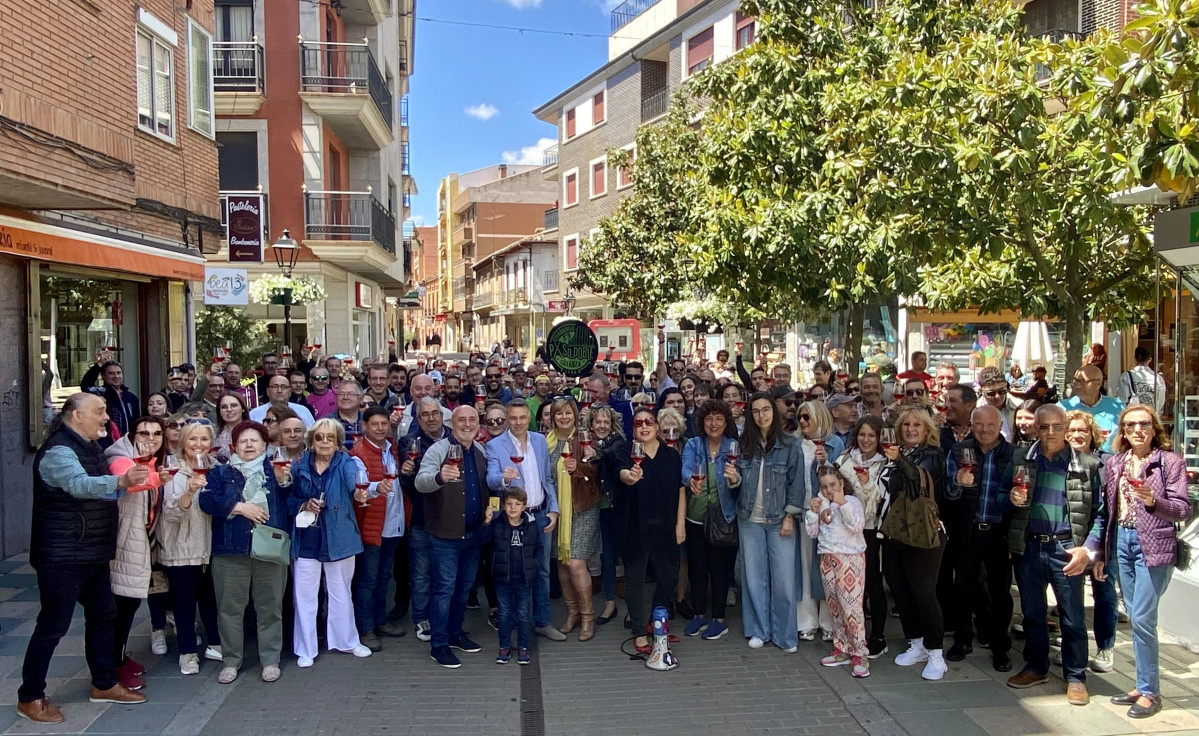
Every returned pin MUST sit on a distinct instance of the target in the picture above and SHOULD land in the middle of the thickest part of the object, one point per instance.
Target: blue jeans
(515, 601)
(1143, 588)
(608, 553)
(1107, 612)
(418, 571)
(541, 586)
(372, 573)
(768, 588)
(1042, 565)
(454, 564)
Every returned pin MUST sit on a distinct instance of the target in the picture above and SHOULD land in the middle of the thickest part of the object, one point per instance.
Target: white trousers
(341, 632)
(809, 612)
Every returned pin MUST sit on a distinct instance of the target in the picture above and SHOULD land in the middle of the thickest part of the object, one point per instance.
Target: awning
(32, 239)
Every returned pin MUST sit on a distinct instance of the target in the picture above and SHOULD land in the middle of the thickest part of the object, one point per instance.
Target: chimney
(503, 171)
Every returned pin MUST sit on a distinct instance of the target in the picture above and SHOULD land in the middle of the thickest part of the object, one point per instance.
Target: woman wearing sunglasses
(771, 489)
(245, 492)
(609, 448)
(1144, 494)
(495, 422)
(651, 508)
(822, 446)
(174, 430)
(578, 534)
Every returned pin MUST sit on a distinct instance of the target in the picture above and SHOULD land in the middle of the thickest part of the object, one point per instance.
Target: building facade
(108, 202)
(312, 120)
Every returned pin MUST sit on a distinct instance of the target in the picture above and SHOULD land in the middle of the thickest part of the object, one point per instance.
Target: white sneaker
(306, 662)
(423, 632)
(756, 642)
(361, 651)
(189, 664)
(171, 619)
(808, 635)
(213, 653)
(158, 641)
(826, 635)
(790, 650)
(1105, 661)
(916, 653)
(936, 667)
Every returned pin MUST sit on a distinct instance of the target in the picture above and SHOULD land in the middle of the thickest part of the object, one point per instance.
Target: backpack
(1141, 393)
(913, 518)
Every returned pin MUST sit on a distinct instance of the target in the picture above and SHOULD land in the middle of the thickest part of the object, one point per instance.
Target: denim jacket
(337, 521)
(786, 484)
(231, 534)
(695, 454)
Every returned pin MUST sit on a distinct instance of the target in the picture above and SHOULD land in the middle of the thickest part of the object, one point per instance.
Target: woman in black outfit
(611, 452)
(651, 507)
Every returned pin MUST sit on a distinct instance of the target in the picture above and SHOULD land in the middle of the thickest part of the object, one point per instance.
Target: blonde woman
(811, 609)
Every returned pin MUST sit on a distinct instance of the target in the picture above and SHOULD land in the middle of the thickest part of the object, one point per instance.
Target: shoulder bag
(269, 544)
(913, 518)
(718, 531)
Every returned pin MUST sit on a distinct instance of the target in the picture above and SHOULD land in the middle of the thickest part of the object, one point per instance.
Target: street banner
(228, 286)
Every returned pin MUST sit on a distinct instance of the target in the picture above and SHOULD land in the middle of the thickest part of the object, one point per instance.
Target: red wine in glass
(698, 477)
(733, 452)
(516, 459)
(454, 456)
(567, 452)
(413, 452)
(638, 453)
(281, 462)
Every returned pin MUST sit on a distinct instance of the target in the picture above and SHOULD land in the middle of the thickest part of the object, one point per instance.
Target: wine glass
(200, 464)
(363, 483)
(144, 454)
(967, 460)
(453, 455)
(391, 471)
(567, 450)
(887, 438)
(638, 453)
(1020, 482)
(734, 451)
(414, 450)
(584, 440)
(170, 466)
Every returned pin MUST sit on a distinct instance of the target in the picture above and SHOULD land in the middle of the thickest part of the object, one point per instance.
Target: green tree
(216, 325)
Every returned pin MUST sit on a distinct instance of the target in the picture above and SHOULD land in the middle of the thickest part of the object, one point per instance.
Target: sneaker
(1027, 678)
(423, 631)
(214, 653)
(790, 650)
(472, 601)
(861, 667)
(826, 635)
(1105, 660)
(876, 648)
(228, 675)
(271, 673)
(444, 657)
(915, 654)
(305, 662)
(371, 641)
(189, 664)
(493, 620)
(695, 625)
(158, 641)
(808, 635)
(522, 656)
(715, 630)
(836, 659)
(504, 655)
(362, 651)
(128, 680)
(958, 652)
(116, 694)
(394, 629)
(463, 643)
(1076, 693)
(936, 667)
(551, 633)
(756, 642)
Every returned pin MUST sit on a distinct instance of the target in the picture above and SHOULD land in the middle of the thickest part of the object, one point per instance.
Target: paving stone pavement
(721, 687)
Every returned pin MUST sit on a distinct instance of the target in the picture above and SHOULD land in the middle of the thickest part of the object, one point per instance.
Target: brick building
(108, 200)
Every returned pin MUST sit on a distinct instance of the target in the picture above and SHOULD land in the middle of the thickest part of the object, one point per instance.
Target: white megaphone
(660, 657)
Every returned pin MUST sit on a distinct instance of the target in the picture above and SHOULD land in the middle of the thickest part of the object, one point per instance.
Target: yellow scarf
(565, 495)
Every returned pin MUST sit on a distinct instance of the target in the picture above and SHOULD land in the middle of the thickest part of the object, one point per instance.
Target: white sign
(226, 286)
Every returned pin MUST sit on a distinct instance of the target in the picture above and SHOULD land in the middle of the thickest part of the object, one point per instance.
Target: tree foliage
(216, 325)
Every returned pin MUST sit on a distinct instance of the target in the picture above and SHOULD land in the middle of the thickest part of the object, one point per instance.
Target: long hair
(752, 439)
(867, 421)
(1160, 438)
(613, 416)
(932, 435)
(162, 427)
(245, 413)
(829, 469)
(1093, 431)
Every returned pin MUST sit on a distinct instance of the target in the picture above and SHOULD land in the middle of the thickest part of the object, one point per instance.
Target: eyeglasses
(995, 393)
(430, 415)
(144, 433)
(320, 378)
(269, 421)
(347, 394)
(644, 422)
(1133, 426)
(912, 392)
(176, 425)
(324, 438)
(1052, 428)
(633, 376)
(854, 389)
(791, 403)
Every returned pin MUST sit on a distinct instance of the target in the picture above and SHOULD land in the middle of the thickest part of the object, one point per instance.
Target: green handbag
(270, 545)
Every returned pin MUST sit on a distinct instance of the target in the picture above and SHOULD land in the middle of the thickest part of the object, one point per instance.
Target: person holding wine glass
(326, 484)
(231, 411)
(241, 494)
(733, 394)
(381, 524)
(138, 509)
(185, 548)
(652, 507)
(709, 465)
(822, 446)
(608, 451)
(1144, 494)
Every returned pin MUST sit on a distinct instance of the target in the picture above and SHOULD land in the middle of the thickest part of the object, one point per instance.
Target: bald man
(1087, 397)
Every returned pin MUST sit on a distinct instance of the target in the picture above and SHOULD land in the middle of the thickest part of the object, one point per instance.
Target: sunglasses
(1054, 428)
(320, 378)
(854, 389)
(324, 438)
(1131, 426)
(633, 377)
(914, 392)
(143, 433)
(791, 403)
(805, 417)
(268, 421)
(644, 422)
(995, 393)
(495, 422)
(176, 425)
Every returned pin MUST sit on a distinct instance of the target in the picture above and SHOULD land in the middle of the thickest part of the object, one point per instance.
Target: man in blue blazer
(537, 478)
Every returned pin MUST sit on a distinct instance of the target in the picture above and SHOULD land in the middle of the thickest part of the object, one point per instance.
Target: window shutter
(699, 51)
(572, 189)
(164, 98)
(199, 54)
(599, 179)
(597, 108)
(570, 123)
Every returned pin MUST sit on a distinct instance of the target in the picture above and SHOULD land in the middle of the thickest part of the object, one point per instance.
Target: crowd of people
(236, 490)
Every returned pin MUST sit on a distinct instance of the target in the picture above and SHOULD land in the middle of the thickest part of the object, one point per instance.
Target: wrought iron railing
(349, 216)
(551, 219)
(655, 104)
(624, 13)
(550, 157)
(237, 66)
(344, 68)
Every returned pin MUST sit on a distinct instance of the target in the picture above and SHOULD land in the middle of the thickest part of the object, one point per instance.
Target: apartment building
(108, 201)
(312, 122)
(478, 214)
(421, 323)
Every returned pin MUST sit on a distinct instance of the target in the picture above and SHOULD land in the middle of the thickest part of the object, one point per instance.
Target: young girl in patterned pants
(835, 519)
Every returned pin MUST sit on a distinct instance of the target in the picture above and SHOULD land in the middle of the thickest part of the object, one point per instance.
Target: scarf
(254, 490)
(564, 498)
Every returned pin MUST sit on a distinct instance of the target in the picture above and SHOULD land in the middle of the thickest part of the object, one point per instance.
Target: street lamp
(286, 255)
(570, 301)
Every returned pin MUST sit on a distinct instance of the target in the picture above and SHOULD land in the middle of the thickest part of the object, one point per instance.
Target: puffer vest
(69, 530)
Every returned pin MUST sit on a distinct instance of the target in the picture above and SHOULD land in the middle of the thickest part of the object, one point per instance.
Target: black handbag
(718, 531)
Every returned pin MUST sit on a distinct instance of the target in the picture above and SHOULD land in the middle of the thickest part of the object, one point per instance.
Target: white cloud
(485, 111)
(524, 4)
(417, 220)
(528, 154)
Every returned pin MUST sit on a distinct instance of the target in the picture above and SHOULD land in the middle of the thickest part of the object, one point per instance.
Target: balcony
(550, 158)
(237, 77)
(341, 82)
(1043, 71)
(464, 233)
(551, 219)
(364, 12)
(655, 105)
(354, 231)
(405, 159)
(404, 111)
(403, 56)
(623, 14)
(484, 300)
(549, 280)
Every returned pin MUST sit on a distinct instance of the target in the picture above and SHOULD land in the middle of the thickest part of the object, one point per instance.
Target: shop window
(81, 318)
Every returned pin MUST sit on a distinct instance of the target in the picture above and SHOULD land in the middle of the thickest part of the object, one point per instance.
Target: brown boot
(116, 694)
(586, 602)
(40, 711)
(570, 598)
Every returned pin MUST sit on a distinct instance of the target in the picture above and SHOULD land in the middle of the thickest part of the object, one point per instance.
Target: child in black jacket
(516, 545)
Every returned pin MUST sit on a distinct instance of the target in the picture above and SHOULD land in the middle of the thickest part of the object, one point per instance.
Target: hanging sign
(572, 348)
(243, 227)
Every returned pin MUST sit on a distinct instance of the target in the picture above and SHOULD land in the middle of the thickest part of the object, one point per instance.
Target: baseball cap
(781, 392)
(839, 399)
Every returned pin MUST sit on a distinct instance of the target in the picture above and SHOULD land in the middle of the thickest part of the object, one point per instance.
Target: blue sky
(473, 89)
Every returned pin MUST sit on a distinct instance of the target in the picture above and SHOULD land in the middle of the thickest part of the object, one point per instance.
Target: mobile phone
(494, 503)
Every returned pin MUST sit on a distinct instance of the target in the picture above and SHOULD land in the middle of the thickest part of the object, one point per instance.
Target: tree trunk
(853, 339)
(1075, 339)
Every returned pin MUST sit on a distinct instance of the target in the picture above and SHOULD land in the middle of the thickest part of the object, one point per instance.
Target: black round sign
(572, 348)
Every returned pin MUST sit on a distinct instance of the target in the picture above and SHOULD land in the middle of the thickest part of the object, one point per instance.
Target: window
(597, 108)
(745, 30)
(155, 85)
(699, 51)
(572, 252)
(624, 174)
(199, 78)
(237, 161)
(570, 186)
(599, 178)
(570, 123)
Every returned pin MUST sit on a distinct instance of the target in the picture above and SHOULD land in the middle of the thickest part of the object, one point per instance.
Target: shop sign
(572, 348)
(364, 296)
(243, 227)
(555, 306)
(228, 286)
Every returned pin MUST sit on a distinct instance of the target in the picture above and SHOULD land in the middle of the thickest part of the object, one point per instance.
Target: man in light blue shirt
(1105, 409)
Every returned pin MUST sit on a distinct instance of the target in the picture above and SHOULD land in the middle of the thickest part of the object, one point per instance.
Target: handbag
(718, 531)
(913, 518)
(1182, 549)
(269, 544)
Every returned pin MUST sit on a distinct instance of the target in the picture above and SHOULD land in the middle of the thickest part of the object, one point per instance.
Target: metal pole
(287, 318)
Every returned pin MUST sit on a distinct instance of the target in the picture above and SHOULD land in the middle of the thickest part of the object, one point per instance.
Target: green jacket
(1084, 483)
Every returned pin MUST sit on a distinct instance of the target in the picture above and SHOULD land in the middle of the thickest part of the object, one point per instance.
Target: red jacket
(372, 516)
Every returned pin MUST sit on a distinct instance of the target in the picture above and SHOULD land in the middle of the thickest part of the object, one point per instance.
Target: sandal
(228, 675)
(270, 673)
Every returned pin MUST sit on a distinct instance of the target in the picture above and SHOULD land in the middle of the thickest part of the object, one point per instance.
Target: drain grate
(532, 713)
